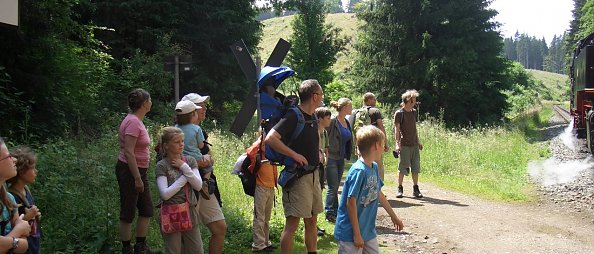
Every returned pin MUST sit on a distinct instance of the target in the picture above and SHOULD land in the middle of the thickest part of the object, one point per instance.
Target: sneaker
(331, 218)
(127, 249)
(143, 248)
(321, 231)
(417, 192)
(270, 248)
(400, 191)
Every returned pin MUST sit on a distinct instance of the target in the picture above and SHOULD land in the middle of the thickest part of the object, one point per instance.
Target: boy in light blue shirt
(361, 197)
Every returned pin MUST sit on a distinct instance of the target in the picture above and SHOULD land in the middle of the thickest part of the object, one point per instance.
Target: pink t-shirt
(132, 126)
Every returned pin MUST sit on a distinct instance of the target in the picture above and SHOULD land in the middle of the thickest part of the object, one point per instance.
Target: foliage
(281, 28)
(587, 19)
(533, 53)
(202, 29)
(56, 70)
(449, 51)
(314, 44)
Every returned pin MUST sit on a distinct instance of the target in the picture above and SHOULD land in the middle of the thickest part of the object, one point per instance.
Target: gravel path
(449, 222)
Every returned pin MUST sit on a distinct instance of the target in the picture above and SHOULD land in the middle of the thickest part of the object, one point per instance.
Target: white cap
(185, 107)
(195, 98)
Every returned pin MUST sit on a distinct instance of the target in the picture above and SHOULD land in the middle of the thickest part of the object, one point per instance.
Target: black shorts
(129, 198)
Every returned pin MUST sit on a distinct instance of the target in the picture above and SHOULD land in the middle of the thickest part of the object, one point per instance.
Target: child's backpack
(252, 160)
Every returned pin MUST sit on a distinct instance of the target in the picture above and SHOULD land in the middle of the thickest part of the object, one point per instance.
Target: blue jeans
(334, 171)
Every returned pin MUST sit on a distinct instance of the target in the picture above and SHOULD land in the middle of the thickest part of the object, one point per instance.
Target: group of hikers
(188, 190)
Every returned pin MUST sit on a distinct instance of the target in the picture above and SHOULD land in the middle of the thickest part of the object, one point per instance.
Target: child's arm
(352, 212)
(386, 205)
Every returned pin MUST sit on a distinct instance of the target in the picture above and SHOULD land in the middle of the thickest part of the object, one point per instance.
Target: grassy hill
(556, 84)
(280, 27)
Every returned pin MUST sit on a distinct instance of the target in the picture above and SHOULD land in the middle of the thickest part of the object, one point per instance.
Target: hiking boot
(143, 248)
(417, 192)
(331, 218)
(400, 191)
(127, 249)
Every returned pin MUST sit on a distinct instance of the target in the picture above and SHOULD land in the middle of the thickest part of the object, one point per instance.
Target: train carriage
(581, 76)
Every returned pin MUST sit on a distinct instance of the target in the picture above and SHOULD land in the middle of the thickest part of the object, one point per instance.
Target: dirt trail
(449, 222)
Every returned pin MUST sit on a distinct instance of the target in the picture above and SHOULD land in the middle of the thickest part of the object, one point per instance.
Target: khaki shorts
(409, 158)
(304, 199)
(209, 210)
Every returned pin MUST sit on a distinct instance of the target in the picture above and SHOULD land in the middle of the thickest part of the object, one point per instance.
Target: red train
(581, 76)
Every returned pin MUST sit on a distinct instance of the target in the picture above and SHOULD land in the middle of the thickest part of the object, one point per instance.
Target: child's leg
(348, 248)
(371, 247)
(261, 217)
(268, 214)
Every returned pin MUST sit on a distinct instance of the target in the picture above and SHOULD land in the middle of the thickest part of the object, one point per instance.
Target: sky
(538, 18)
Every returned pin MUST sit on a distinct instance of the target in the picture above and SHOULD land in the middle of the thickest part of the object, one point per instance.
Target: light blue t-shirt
(7, 216)
(192, 137)
(364, 184)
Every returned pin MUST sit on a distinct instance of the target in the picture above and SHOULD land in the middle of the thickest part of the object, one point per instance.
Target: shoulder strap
(300, 123)
(20, 195)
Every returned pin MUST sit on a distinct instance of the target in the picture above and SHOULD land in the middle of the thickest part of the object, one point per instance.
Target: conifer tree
(314, 43)
(449, 50)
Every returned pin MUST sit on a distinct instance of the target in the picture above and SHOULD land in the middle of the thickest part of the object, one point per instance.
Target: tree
(55, 72)
(203, 29)
(449, 51)
(314, 43)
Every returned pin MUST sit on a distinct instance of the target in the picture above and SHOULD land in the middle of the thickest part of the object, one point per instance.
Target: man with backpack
(369, 114)
(304, 198)
(407, 142)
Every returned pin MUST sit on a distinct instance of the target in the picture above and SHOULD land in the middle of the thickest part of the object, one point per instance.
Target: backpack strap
(300, 124)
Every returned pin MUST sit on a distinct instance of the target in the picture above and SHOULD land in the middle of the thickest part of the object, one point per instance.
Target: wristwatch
(15, 243)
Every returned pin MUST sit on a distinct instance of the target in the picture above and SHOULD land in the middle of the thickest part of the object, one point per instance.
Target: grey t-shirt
(164, 168)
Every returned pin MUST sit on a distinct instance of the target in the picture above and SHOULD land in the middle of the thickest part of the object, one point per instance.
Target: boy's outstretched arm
(386, 205)
(352, 212)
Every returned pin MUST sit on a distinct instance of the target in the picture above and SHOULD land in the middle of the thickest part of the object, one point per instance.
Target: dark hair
(307, 88)
(136, 98)
(322, 112)
(25, 160)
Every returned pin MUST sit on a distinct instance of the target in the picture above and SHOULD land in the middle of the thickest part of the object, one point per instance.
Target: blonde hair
(5, 201)
(167, 134)
(408, 95)
(341, 103)
(368, 136)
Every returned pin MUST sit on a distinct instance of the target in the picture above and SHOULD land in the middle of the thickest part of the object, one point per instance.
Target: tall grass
(78, 194)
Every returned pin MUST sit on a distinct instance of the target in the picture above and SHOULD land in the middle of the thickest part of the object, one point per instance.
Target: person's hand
(300, 160)
(420, 146)
(358, 241)
(177, 163)
(21, 227)
(397, 223)
(203, 163)
(397, 148)
(208, 158)
(139, 185)
(31, 213)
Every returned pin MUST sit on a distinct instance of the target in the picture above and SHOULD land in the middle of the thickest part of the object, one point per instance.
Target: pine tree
(314, 43)
(449, 50)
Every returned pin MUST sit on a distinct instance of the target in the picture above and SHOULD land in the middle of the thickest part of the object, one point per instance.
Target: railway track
(562, 112)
